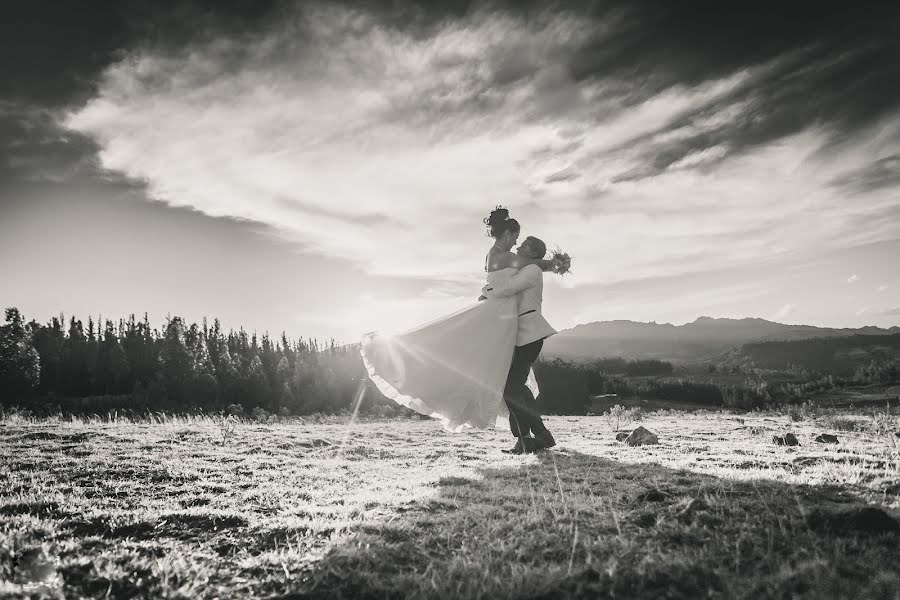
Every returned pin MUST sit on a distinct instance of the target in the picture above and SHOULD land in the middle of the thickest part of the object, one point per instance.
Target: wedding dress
(454, 368)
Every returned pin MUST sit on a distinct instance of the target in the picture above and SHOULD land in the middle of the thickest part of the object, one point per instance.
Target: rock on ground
(641, 437)
(788, 439)
(827, 438)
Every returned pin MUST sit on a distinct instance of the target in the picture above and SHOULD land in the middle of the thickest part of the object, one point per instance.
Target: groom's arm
(524, 279)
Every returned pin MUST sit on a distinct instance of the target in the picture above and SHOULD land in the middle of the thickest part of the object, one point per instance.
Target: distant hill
(704, 339)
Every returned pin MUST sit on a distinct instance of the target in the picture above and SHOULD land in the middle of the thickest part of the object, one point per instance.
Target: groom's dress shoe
(544, 439)
(528, 446)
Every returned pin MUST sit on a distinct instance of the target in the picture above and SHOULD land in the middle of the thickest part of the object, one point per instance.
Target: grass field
(186, 509)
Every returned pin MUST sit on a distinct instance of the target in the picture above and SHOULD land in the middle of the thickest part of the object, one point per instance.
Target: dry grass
(401, 509)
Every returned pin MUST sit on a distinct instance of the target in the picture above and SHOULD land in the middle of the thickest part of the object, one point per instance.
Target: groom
(528, 286)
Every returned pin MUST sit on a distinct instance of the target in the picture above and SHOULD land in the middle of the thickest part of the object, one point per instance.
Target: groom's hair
(538, 245)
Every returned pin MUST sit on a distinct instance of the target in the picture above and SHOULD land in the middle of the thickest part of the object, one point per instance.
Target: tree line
(182, 367)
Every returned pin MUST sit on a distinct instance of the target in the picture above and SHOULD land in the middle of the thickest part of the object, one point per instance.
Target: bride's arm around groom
(529, 276)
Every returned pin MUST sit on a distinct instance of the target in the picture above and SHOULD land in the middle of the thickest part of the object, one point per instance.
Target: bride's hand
(554, 265)
(547, 264)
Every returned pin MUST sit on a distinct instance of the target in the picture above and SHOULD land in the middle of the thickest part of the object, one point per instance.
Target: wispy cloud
(881, 173)
(853, 278)
(881, 288)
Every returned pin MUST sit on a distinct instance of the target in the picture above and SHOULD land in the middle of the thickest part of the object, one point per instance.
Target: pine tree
(141, 352)
(258, 384)
(286, 348)
(91, 353)
(177, 364)
(287, 402)
(113, 370)
(200, 352)
(283, 371)
(206, 389)
(269, 356)
(76, 380)
(48, 342)
(20, 363)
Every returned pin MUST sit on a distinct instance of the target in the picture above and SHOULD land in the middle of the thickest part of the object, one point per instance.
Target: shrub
(804, 411)
(619, 415)
(883, 423)
(227, 427)
(235, 410)
(260, 414)
(842, 424)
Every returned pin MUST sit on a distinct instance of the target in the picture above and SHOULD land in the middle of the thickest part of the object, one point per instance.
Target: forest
(129, 365)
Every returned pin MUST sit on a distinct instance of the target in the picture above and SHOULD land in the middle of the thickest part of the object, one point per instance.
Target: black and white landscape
(204, 206)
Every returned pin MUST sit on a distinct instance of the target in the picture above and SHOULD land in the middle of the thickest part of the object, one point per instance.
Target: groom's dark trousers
(524, 416)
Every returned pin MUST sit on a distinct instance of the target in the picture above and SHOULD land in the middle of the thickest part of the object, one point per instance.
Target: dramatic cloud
(354, 134)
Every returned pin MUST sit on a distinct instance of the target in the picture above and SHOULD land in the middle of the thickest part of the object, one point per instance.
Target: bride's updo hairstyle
(499, 222)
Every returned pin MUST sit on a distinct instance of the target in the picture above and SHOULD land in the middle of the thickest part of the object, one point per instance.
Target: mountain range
(704, 339)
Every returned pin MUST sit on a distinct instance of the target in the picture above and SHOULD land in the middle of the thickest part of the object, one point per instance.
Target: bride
(455, 368)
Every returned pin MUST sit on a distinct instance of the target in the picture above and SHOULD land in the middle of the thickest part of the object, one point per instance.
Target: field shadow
(567, 524)
(181, 526)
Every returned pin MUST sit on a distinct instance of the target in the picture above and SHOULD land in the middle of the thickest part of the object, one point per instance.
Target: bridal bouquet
(562, 262)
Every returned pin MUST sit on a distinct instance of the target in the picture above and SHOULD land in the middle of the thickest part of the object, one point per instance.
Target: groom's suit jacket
(528, 287)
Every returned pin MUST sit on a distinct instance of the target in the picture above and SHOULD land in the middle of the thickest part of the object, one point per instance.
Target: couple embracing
(473, 368)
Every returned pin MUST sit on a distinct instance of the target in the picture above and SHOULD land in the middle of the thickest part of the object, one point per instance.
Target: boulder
(827, 438)
(788, 439)
(620, 437)
(641, 437)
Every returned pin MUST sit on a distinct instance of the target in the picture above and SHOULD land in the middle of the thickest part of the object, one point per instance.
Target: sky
(323, 169)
